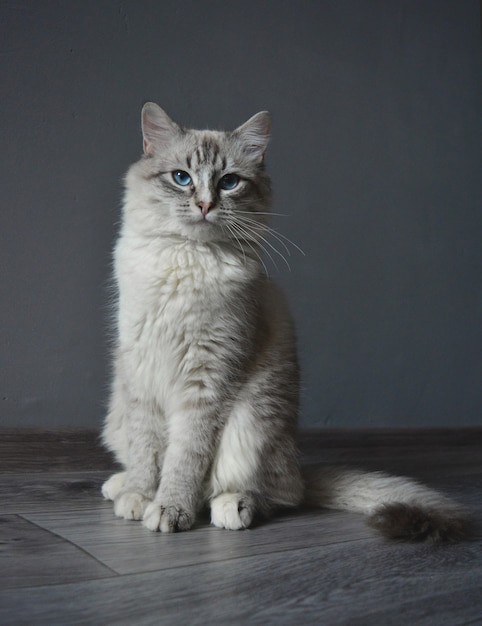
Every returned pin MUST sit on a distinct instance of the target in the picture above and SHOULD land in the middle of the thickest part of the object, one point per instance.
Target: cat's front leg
(186, 461)
(137, 486)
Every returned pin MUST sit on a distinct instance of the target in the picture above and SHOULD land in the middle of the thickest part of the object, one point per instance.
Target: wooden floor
(65, 558)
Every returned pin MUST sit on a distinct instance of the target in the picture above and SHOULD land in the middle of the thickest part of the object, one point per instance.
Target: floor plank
(33, 556)
(127, 547)
(68, 560)
(309, 586)
(26, 491)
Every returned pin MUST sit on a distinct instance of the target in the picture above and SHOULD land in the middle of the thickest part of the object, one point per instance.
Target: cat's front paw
(167, 519)
(232, 511)
(130, 505)
(112, 487)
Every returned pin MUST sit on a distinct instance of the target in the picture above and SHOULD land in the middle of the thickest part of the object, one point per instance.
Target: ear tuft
(157, 127)
(254, 134)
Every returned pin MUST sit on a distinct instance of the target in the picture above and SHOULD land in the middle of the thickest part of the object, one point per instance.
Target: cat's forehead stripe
(208, 153)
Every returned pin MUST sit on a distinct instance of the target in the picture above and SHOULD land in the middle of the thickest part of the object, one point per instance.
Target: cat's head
(200, 184)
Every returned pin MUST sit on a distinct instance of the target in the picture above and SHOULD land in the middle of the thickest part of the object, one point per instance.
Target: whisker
(252, 248)
(246, 234)
(271, 231)
(250, 227)
(233, 234)
(262, 213)
(274, 234)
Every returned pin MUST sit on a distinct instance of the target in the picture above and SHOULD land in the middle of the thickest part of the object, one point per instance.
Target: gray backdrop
(376, 162)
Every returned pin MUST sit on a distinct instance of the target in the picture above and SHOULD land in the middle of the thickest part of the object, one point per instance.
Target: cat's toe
(114, 485)
(231, 511)
(130, 505)
(152, 517)
(167, 519)
(175, 518)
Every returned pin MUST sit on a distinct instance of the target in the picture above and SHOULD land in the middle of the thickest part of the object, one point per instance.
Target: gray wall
(376, 161)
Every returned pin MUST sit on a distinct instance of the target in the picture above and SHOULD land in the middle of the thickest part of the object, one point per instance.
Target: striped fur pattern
(204, 402)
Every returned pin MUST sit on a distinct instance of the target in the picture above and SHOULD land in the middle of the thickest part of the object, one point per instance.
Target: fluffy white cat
(204, 401)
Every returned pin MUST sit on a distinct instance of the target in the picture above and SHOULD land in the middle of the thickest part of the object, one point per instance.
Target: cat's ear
(157, 127)
(254, 134)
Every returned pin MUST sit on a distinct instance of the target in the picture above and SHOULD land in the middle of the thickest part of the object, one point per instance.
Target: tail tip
(417, 523)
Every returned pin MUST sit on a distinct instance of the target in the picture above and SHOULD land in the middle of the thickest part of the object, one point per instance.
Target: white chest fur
(180, 308)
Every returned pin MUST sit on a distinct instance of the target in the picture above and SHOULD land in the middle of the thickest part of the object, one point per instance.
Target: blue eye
(229, 181)
(182, 178)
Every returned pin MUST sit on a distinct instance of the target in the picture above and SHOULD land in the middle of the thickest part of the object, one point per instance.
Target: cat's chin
(203, 231)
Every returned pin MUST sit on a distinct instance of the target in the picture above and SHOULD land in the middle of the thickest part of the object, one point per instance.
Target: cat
(204, 399)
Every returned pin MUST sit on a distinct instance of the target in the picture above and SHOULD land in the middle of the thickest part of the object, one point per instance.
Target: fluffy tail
(397, 507)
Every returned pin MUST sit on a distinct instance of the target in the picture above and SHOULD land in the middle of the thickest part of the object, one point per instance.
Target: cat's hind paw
(131, 505)
(167, 519)
(114, 485)
(232, 511)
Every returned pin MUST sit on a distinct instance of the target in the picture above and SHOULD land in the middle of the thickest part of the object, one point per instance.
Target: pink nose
(205, 207)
